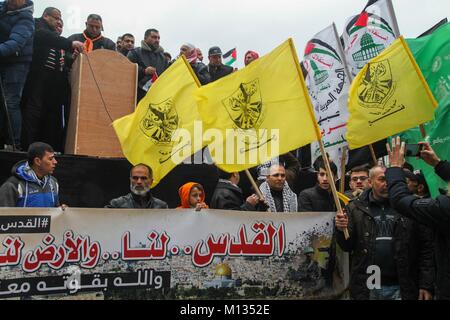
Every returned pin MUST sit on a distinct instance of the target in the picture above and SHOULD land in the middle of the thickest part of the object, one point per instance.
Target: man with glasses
(46, 89)
(319, 198)
(359, 182)
(150, 60)
(141, 180)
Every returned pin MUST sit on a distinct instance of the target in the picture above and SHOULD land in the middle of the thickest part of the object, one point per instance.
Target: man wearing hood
(32, 184)
(16, 50)
(150, 60)
(141, 180)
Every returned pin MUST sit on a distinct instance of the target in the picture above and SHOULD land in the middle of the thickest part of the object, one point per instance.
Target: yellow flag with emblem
(259, 112)
(160, 133)
(388, 96)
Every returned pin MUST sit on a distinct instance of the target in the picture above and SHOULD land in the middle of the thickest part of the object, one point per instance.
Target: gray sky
(258, 25)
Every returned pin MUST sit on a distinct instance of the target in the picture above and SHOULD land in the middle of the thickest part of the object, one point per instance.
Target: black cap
(417, 176)
(215, 51)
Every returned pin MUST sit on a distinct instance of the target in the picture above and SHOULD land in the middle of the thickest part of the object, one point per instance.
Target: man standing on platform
(46, 89)
(16, 50)
(92, 37)
(216, 68)
(150, 60)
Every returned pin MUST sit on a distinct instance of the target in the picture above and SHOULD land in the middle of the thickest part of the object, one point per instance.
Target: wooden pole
(343, 167)
(332, 184)
(422, 131)
(255, 186)
(374, 156)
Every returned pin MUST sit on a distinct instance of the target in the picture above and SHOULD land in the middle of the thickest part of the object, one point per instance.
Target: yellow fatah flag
(259, 112)
(388, 96)
(160, 133)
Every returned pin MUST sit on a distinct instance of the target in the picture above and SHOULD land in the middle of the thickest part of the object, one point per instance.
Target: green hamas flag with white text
(432, 55)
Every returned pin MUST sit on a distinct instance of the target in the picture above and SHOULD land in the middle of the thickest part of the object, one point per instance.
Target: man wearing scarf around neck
(150, 60)
(92, 37)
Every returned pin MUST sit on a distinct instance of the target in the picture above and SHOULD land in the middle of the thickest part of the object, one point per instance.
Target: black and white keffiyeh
(290, 203)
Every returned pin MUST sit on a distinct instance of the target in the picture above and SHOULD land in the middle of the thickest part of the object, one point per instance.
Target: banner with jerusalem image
(167, 254)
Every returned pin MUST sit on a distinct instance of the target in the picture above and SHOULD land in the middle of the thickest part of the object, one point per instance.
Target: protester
(320, 197)
(289, 162)
(150, 60)
(200, 69)
(32, 184)
(47, 86)
(127, 44)
(381, 237)
(119, 44)
(432, 213)
(141, 180)
(168, 57)
(359, 181)
(229, 196)
(417, 184)
(216, 68)
(192, 196)
(276, 191)
(92, 37)
(16, 50)
(250, 56)
(199, 54)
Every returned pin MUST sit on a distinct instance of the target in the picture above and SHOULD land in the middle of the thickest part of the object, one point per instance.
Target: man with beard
(150, 60)
(141, 179)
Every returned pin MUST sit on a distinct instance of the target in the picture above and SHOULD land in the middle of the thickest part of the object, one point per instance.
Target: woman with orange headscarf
(192, 196)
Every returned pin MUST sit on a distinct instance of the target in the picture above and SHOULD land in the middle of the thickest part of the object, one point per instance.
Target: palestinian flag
(230, 57)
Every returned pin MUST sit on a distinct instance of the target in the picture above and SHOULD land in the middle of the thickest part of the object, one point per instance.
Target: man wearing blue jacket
(16, 50)
(32, 184)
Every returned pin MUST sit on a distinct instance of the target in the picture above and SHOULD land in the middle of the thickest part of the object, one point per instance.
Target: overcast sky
(258, 25)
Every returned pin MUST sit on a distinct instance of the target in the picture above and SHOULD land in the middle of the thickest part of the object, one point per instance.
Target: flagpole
(332, 183)
(394, 18)
(350, 78)
(255, 186)
(422, 131)
(343, 166)
(318, 135)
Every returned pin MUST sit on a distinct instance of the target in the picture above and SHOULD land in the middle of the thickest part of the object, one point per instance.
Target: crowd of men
(392, 221)
(35, 62)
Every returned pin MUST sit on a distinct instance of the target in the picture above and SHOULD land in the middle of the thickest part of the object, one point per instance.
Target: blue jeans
(13, 77)
(386, 293)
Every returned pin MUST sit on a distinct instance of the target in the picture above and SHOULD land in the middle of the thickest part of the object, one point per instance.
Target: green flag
(432, 55)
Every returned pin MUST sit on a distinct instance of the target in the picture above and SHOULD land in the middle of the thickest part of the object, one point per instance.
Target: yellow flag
(388, 96)
(160, 133)
(259, 112)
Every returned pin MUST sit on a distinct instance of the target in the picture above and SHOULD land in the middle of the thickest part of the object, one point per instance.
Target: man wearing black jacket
(228, 195)
(216, 68)
(46, 88)
(319, 198)
(392, 256)
(432, 213)
(150, 60)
